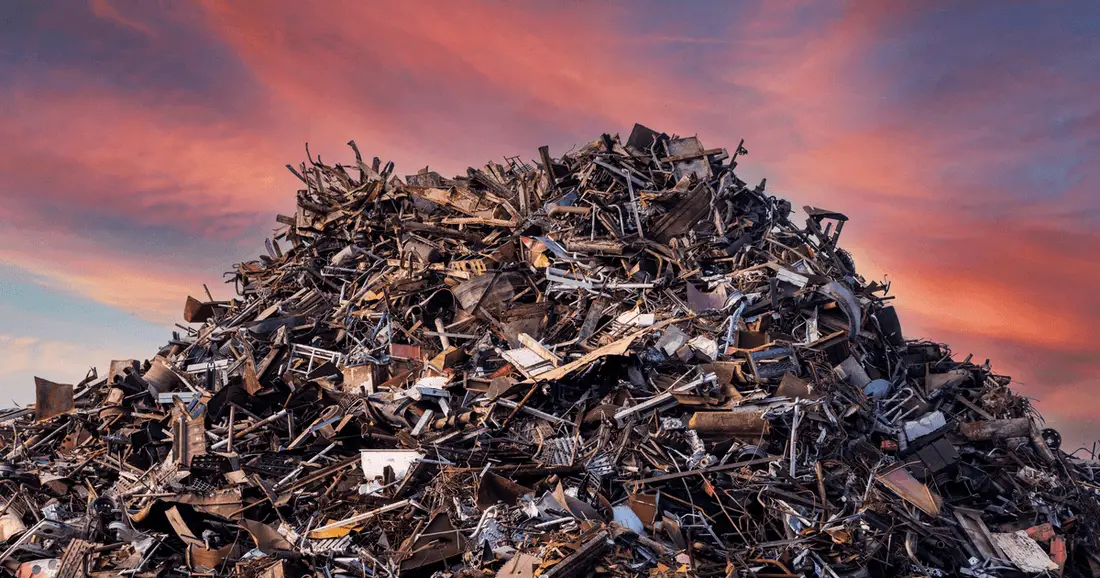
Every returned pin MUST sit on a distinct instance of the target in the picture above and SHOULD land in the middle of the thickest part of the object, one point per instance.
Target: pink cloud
(166, 165)
(107, 11)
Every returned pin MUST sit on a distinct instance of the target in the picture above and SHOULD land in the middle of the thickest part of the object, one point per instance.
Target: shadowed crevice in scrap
(622, 361)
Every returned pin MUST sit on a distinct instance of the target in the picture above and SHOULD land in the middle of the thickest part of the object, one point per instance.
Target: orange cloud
(152, 290)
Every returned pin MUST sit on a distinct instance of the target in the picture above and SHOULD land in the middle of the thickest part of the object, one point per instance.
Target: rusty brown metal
(623, 361)
(52, 399)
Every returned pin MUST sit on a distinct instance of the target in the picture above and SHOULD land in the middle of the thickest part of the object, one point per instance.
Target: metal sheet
(51, 399)
(902, 483)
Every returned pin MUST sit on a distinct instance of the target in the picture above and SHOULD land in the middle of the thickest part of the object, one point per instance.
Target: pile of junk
(623, 361)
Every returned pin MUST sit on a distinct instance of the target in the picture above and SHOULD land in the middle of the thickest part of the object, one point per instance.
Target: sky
(143, 144)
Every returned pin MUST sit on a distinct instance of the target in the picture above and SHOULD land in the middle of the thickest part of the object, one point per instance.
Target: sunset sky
(142, 146)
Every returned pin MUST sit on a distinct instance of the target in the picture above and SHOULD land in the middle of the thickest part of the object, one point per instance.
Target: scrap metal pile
(621, 362)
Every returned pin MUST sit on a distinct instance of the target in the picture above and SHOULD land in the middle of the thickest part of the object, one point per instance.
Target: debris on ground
(624, 361)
